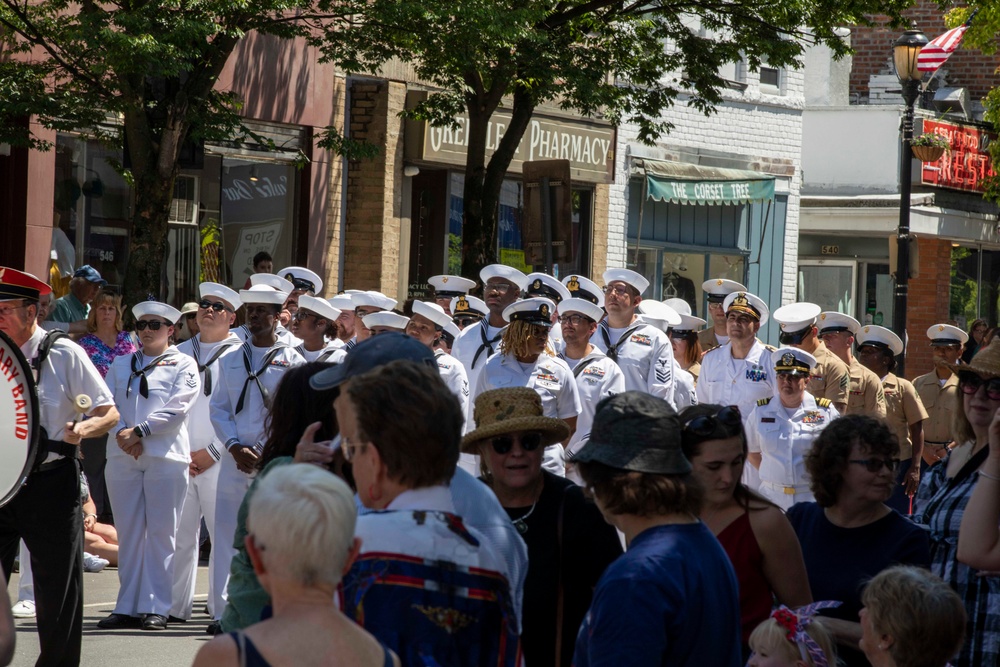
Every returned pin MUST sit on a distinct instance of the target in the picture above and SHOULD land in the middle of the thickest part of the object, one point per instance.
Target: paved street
(175, 646)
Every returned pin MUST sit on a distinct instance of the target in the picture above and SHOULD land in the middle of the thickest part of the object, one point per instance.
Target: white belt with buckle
(787, 490)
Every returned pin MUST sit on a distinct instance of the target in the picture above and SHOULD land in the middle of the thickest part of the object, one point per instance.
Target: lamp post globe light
(904, 58)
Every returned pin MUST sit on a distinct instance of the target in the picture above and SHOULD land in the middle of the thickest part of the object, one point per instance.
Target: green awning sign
(711, 193)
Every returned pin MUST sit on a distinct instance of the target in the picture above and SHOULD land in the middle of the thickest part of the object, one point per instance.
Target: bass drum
(19, 425)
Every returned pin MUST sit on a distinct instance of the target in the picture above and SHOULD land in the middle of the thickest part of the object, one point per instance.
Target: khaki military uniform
(940, 403)
(830, 378)
(866, 392)
(707, 339)
(695, 371)
(903, 409)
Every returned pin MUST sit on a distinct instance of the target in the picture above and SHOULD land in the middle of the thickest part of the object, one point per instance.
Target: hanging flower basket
(928, 153)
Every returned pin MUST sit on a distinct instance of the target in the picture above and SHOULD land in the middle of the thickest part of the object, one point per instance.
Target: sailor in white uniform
(367, 303)
(385, 321)
(345, 323)
(597, 377)
(447, 288)
(716, 290)
(580, 287)
(304, 282)
(216, 313)
(544, 285)
(641, 350)
(468, 310)
(427, 325)
(247, 379)
(665, 318)
(147, 471)
(522, 361)
(448, 336)
(781, 429)
(281, 285)
(313, 320)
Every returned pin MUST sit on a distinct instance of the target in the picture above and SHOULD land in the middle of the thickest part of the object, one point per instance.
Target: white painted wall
(850, 150)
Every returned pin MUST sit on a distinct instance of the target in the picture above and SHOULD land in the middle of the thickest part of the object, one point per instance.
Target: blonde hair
(514, 339)
(104, 297)
(302, 518)
(773, 639)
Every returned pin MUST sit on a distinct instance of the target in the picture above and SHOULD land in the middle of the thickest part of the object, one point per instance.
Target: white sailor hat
(349, 292)
(433, 312)
(342, 302)
(689, 324)
(468, 306)
(447, 286)
(582, 306)
(680, 305)
(385, 318)
(626, 276)
(534, 310)
(717, 289)
(745, 302)
(508, 273)
(796, 320)
(792, 360)
(451, 331)
(302, 279)
(830, 321)
(167, 312)
(659, 314)
(263, 294)
(581, 287)
(273, 281)
(871, 334)
(373, 300)
(943, 335)
(319, 306)
(221, 292)
(542, 284)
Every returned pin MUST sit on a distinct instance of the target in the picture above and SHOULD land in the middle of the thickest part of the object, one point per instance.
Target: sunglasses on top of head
(970, 383)
(705, 425)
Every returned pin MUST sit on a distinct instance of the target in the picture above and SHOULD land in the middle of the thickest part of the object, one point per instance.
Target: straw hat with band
(502, 411)
(985, 364)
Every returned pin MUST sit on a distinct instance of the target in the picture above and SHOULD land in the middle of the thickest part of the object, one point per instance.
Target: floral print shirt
(102, 355)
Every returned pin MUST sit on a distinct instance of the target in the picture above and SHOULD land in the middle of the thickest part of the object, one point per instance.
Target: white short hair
(302, 518)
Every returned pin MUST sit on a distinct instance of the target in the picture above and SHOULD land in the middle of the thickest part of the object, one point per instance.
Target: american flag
(936, 52)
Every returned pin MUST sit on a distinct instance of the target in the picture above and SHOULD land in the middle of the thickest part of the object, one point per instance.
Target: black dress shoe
(119, 622)
(214, 628)
(154, 622)
(174, 619)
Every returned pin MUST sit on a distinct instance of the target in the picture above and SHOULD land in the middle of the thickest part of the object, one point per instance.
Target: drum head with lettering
(18, 419)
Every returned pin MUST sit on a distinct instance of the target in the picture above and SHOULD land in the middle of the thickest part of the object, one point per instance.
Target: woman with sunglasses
(850, 534)
(687, 348)
(569, 544)
(525, 359)
(756, 535)
(944, 494)
(781, 429)
(315, 324)
(147, 471)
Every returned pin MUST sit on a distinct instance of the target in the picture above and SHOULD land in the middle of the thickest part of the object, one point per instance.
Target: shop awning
(681, 183)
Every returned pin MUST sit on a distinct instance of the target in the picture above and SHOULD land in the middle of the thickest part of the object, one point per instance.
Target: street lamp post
(904, 57)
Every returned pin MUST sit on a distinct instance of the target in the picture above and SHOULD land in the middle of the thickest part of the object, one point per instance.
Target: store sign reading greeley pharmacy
(967, 164)
(588, 145)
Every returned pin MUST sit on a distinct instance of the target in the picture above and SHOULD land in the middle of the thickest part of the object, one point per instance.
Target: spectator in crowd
(99, 539)
(672, 598)
(944, 494)
(977, 331)
(147, 470)
(262, 263)
(187, 325)
(569, 545)
(757, 537)
(792, 639)
(300, 541)
(83, 288)
(910, 619)
(295, 409)
(401, 428)
(104, 340)
(849, 534)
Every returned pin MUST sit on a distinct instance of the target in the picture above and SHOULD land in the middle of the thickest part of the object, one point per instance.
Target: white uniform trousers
(200, 502)
(232, 487)
(786, 496)
(148, 497)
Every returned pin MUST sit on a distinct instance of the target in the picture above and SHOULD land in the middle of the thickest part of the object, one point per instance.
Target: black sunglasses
(970, 383)
(502, 444)
(218, 307)
(875, 465)
(705, 425)
(154, 325)
(793, 338)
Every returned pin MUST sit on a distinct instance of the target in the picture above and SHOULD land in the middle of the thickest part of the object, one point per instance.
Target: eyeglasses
(875, 465)
(153, 325)
(301, 315)
(350, 451)
(970, 383)
(217, 306)
(499, 288)
(617, 290)
(574, 319)
(462, 322)
(705, 425)
(792, 375)
(7, 311)
(530, 441)
(786, 338)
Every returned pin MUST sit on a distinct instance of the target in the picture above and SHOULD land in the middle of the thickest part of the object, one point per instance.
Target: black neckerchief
(141, 373)
(606, 334)
(252, 376)
(206, 367)
(487, 343)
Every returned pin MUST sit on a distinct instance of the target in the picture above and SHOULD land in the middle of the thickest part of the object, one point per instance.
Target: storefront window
(879, 290)
(975, 274)
(829, 284)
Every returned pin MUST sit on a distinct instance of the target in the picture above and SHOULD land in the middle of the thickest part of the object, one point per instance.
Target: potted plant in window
(929, 147)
